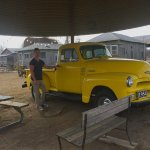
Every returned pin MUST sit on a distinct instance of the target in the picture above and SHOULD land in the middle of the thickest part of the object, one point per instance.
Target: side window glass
(68, 55)
(89, 54)
(99, 52)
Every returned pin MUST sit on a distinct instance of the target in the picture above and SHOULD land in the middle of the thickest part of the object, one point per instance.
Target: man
(36, 65)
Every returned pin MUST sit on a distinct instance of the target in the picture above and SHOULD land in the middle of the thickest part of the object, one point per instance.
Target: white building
(48, 53)
(8, 58)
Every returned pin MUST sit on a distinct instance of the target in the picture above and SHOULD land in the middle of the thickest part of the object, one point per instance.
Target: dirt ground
(38, 131)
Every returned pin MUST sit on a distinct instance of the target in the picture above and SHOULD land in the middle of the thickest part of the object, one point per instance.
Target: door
(68, 71)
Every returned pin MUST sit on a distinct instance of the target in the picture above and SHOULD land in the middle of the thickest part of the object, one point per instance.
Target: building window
(43, 54)
(31, 55)
(26, 55)
(20, 56)
(113, 49)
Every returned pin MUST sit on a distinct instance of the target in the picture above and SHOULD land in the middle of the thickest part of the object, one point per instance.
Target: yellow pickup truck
(88, 70)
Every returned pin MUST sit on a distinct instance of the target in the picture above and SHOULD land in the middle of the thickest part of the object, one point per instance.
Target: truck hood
(116, 65)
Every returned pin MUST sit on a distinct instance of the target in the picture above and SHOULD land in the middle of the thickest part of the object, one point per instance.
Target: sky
(17, 42)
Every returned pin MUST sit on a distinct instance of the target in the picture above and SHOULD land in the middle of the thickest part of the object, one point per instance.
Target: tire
(103, 97)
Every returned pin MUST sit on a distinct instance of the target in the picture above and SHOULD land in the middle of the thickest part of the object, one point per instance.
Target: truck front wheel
(103, 97)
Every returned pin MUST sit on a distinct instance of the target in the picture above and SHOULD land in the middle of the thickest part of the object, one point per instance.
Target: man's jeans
(39, 96)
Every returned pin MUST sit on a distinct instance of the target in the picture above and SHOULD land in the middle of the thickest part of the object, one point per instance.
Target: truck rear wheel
(103, 97)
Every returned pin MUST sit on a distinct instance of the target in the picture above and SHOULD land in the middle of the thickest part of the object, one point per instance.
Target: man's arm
(49, 67)
(32, 72)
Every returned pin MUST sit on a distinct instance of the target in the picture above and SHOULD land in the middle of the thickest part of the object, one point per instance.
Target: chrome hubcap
(104, 101)
(107, 101)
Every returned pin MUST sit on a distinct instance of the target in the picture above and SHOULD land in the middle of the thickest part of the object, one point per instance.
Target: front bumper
(140, 103)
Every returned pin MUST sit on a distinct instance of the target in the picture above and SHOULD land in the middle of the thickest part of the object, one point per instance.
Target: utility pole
(67, 40)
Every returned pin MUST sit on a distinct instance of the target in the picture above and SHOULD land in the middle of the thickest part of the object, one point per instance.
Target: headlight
(129, 81)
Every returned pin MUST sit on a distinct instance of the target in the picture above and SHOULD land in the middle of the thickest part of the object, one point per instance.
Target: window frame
(112, 51)
(26, 54)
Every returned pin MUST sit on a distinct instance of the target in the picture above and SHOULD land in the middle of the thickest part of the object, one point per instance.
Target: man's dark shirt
(37, 68)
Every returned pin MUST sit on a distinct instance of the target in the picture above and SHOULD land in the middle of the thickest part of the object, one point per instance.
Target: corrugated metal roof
(3, 55)
(30, 40)
(11, 50)
(144, 38)
(41, 46)
(6, 55)
(113, 37)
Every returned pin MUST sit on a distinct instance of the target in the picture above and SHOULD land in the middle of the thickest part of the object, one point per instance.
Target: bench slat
(68, 132)
(102, 112)
(101, 109)
(105, 115)
(3, 98)
(78, 130)
(75, 134)
(14, 104)
(98, 131)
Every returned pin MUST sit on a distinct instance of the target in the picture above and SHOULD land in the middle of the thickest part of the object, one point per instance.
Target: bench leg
(82, 147)
(83, 143)
(16, 122)
(59, 141)
(21, 114)
(128, 132)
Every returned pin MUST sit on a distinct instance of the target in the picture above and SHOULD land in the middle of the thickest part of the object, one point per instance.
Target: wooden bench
(96, 123)
(17, 106)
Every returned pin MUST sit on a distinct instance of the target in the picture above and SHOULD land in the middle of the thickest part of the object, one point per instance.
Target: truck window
(68, 55)
(94, 51)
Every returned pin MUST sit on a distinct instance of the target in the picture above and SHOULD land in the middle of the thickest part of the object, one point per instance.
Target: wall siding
(49, 60)
(129, 49)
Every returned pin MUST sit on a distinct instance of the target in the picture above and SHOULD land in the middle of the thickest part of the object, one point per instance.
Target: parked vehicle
(88, 71)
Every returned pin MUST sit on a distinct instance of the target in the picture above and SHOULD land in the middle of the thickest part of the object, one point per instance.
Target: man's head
(37, 53)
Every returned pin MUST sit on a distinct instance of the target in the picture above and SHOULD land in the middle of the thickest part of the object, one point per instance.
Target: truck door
(68, 71)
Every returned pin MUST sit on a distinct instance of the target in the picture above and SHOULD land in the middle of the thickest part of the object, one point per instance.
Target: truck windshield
(94, 51)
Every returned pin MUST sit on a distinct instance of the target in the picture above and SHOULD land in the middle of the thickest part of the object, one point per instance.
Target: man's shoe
(45, 105)
(40, 108)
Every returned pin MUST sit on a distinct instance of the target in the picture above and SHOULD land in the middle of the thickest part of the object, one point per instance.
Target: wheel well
(100, 88)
